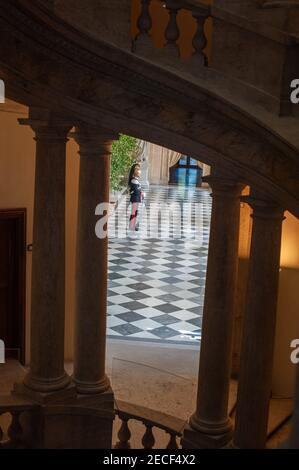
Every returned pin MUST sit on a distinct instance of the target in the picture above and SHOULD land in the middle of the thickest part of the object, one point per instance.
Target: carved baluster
(144, 22)
(199, 40)
(1, 434)
(124, 435)
(172, 32)
(148, 440)
(15, 429)
(172, 444)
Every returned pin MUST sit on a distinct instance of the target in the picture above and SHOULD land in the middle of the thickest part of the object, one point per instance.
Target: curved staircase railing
(199, 11)
(15, 407)
(151, 419)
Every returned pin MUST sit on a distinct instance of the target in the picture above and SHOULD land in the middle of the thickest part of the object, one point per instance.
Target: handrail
(11, 403)
(15, 406)
(191, 4)
(150, 418)
(280, 4)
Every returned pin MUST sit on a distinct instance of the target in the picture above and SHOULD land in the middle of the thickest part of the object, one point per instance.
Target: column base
(77, 423)
(207, 434)
(47, 386)
(92, 388)
(193, 439)
(56, 396)
(211, 427)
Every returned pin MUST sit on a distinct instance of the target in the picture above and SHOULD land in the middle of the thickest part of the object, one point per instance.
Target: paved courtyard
(156, 280)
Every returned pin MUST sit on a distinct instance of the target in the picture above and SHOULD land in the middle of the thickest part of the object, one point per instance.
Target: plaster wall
(17, 169)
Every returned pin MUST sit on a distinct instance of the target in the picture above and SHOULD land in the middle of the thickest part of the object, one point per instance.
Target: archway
(163, 107)
(149, 102)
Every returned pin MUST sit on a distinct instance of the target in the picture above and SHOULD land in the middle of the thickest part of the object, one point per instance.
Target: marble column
(206, 170)
(293, 442)
(46, 372)
(210, 425)
(143, 159)
(259, 324)
(92, 265)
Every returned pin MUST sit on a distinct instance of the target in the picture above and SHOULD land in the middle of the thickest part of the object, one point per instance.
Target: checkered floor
(156, 284)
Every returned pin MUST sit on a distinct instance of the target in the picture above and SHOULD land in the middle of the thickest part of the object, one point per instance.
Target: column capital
(47, 125)
(94, 140)
(227, 187)
(264, 208)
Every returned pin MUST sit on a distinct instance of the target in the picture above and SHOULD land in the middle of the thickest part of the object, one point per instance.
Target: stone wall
(103, 19)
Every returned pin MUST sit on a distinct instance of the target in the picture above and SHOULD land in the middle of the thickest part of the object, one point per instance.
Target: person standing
(136, 195)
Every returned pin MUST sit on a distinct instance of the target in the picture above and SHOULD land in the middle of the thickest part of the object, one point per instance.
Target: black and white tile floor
(156, 285)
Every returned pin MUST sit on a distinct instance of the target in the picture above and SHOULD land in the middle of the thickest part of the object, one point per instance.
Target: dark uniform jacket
(135, 190)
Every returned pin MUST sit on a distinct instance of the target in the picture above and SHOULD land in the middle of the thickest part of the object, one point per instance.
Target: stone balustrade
(200, 12)
(15, 407)
(151, 419)
(277, 3)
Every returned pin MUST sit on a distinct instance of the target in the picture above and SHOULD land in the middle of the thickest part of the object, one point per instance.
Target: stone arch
(45, 62)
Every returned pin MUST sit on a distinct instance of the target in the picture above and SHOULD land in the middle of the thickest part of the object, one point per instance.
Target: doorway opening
(13, 282)
(157, 274)
(186, 172)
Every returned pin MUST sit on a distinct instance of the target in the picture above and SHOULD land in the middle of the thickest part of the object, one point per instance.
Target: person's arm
(135, 187)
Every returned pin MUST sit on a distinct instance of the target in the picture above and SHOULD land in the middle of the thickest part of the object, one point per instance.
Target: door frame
(20, 216)
(188, 166)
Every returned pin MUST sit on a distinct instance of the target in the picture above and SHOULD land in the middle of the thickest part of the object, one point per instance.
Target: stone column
(294, 435)
(206, 170)
(143, 159)
(259, 324)
(46, 372)
(92, 266)
(210, 425)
